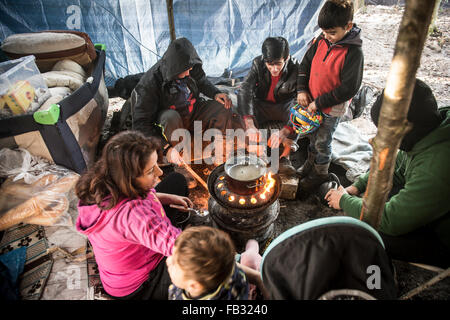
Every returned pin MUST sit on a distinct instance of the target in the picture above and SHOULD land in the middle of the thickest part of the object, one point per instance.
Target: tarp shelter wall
(227, 34)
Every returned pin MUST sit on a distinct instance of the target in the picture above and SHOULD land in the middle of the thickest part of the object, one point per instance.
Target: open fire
(261, 195)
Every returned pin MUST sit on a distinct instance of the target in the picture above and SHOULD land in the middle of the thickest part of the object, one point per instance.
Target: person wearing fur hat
(415, 226)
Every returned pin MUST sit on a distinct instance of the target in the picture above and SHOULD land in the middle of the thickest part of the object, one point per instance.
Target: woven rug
(38, 264)
(94, 282)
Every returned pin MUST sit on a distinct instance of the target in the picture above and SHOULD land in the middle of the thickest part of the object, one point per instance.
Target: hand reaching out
(173, 156)
(277, 138)
(312, 108)
(333, 197)
(304, 98)
(170, 199)
(223, 99)
(253, 133)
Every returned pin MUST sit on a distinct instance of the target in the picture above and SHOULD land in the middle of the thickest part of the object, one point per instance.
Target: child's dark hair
(335, 13)
(275, 48)
(123, 160)
(206, 255)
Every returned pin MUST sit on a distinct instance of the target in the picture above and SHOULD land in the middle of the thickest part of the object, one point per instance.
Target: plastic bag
(36, 191)
(361, 103)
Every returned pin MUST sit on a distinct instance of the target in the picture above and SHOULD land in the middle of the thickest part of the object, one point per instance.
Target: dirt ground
(379, 26)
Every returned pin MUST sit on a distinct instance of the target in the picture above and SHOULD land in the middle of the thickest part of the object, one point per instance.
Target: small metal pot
(245, 174)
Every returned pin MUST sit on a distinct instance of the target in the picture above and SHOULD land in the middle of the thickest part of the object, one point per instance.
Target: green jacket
(425, 198)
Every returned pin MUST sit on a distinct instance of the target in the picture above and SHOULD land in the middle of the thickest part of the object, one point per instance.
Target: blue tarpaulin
(227, 34)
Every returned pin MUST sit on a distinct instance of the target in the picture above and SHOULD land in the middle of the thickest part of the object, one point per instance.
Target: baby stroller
(334, 258)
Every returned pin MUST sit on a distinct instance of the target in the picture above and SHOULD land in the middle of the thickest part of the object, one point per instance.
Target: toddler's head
(202, 259)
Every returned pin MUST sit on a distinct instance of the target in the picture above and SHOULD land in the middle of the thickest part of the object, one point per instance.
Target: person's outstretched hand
(304, 98)
(277, 138)
(287, 144)
(173, 156)
(174, 199)
(223, 99)
(253, 133)
(312, 108)
(333, 197)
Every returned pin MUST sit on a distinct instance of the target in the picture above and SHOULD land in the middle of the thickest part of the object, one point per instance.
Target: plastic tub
(22, 88)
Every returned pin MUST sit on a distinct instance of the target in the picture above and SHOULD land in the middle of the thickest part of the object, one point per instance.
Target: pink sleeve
(145, 226)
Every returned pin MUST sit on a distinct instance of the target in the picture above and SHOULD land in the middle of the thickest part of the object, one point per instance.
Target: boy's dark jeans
(320, 140)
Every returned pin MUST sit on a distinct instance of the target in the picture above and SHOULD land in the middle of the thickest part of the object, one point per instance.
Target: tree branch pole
(444, 274)
(392, 123)
(169, 4)
(434, 17)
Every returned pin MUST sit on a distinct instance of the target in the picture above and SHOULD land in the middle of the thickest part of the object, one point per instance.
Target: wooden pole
(444, 274)
(392, 123)
(434, 17)
(195, 175)
(169, 4)
(358, 4)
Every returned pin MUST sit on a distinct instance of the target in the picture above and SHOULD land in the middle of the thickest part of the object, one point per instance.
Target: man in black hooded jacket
(167, 98)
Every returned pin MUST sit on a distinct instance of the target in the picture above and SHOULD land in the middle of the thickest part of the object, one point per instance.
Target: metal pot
(245, 174)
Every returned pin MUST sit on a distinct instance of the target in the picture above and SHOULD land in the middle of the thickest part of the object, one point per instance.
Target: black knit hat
(422, 114)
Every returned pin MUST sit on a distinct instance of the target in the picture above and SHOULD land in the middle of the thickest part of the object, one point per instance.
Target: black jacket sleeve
(245, 94)
(204, 85)
(351, 78)
(305, 67)
(145, 104)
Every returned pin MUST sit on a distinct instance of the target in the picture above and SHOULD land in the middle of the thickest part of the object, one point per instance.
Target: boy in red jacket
(329, 76)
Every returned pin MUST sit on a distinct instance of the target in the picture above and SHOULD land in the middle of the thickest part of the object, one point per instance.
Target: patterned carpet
(38, 264)
(94, 282)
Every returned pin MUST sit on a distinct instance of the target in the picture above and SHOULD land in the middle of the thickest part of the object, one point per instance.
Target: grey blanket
(351, 150)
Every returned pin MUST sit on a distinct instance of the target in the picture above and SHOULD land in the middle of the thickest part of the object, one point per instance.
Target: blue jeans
(320, 140)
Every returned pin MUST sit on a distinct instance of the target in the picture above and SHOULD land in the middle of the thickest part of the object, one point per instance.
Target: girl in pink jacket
(123, 210)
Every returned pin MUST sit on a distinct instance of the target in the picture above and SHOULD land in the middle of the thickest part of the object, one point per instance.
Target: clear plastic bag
(35, 191)
(22, 87)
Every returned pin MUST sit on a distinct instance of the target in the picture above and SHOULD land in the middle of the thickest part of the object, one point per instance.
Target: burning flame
(270, 183)
(267, 189)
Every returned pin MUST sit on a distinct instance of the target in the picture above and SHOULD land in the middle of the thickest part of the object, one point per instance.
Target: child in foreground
(203, 267)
